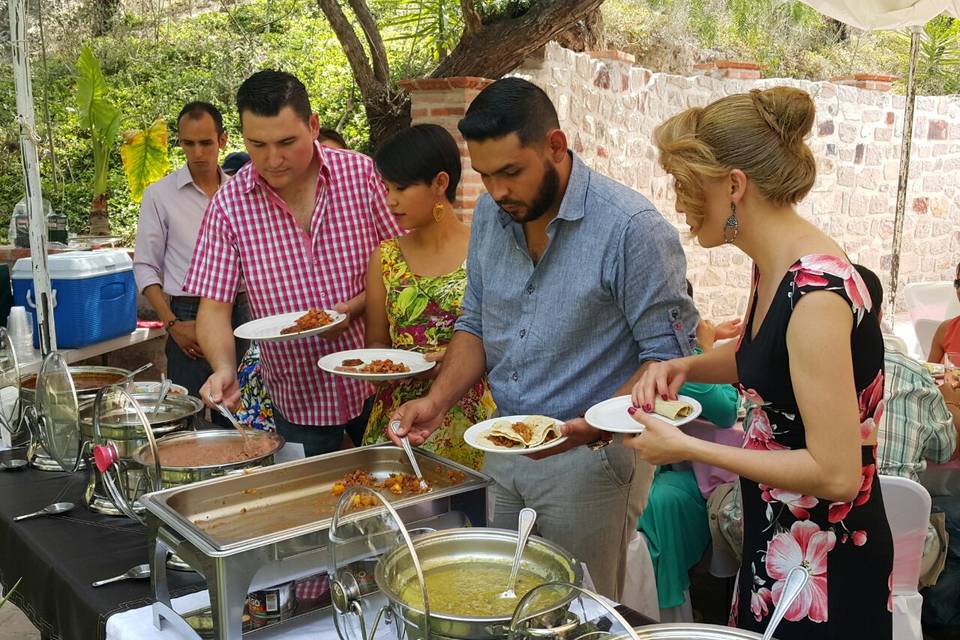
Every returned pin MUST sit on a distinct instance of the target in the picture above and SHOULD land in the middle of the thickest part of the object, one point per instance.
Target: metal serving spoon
(54, 509)
(162, 395)
(524, 526)
(796, 581)
(133, 374)
(226, 413)
(395, 427)
(13, 465)
(133, 573)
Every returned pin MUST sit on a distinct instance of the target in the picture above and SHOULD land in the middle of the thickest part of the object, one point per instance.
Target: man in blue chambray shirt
(574, 283)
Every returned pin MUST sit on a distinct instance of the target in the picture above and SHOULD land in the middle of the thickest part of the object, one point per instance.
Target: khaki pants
(588, 502)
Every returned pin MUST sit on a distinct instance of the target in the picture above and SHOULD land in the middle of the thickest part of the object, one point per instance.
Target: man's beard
(546, 194)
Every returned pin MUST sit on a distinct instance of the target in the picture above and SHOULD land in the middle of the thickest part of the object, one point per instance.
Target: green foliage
(938, 62)
(145, 157)
(787, 37)
(9, 593)
(153, 68)
(97, 115)
(434, 24)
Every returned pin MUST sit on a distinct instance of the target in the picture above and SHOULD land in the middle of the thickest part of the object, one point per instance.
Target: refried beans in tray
(197, 453)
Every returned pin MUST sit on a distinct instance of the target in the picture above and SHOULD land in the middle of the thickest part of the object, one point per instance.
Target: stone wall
(609, 107)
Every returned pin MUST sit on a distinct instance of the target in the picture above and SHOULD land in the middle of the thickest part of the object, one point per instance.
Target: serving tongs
(395, 427)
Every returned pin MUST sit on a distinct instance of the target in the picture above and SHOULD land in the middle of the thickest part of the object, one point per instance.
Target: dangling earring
(438, 211)
(731, 226)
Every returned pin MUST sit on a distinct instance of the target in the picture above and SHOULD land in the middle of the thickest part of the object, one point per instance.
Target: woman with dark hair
(415, 283)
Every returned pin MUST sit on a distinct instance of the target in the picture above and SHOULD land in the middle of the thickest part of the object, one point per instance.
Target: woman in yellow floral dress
(415, 283)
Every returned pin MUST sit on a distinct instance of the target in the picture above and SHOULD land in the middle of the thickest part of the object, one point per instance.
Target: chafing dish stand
(253, 530)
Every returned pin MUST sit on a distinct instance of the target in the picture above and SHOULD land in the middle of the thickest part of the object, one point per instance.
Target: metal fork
(226, 413)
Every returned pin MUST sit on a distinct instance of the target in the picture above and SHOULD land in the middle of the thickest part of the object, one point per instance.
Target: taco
(672, 409)
(532, 431)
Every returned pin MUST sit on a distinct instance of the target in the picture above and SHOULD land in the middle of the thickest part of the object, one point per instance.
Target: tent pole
(906, 141)
(31, 176)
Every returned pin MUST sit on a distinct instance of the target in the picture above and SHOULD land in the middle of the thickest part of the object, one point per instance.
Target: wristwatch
(605, 438)
(170, 324)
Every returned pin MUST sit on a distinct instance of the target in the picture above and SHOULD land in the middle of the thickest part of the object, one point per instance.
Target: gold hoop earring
(731, 227)
(438, 211)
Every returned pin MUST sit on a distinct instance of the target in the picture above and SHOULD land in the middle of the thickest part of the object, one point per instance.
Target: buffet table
(58, 557)
(32, 364)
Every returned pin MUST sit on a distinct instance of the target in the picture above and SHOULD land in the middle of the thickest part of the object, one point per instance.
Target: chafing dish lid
(56, 400)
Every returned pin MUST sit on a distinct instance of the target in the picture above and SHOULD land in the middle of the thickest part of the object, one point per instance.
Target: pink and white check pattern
(247, 230)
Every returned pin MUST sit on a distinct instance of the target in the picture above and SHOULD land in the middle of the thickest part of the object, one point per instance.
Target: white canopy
(873, 15)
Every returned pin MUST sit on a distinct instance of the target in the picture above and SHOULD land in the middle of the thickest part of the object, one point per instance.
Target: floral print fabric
(421, 312)
(845, 547)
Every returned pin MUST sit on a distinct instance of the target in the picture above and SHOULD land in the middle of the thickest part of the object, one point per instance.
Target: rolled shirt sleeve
(215, 268)
(151, 244)
(649, 285)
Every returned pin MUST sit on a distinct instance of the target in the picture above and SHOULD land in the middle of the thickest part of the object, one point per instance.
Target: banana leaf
(145, 158)
(97, 114)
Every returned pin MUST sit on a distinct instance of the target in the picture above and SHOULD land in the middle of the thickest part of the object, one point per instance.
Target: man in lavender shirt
(170, 216)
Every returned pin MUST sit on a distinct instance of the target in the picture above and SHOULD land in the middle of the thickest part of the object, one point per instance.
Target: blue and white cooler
(94, 294)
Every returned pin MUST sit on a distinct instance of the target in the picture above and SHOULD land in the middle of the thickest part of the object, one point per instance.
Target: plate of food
(290, 326)
(375, 364)
(515, 434)
(611, 415)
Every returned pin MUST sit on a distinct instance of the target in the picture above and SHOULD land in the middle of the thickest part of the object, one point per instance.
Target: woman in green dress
(415, 283)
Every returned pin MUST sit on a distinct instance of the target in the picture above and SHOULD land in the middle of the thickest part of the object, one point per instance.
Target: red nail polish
(631, 410)
(663, 396)
(647, 408)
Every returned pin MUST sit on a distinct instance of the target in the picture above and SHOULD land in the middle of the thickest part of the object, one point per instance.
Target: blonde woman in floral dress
(415, 283)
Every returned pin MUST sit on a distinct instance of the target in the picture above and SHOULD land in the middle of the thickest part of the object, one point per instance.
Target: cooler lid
(75, 265)
(59, 414)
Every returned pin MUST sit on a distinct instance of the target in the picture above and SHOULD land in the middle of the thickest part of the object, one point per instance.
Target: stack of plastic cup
(20, 326)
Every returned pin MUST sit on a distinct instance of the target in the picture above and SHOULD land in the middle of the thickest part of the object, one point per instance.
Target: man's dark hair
(417, 155)
(510, 105)
(874, 287)
(196, 109)
(266, 92)
(326, 133)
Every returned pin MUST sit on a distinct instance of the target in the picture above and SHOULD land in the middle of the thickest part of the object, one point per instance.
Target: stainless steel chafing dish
(255, 529)
(121, 426)
(51, 403)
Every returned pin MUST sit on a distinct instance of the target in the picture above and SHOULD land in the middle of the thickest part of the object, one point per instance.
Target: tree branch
(352, 47)
(471, 19)
(378, 51)
(516, 39)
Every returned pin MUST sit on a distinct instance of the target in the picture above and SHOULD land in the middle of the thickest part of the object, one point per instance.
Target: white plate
(268, 329)
(414, 360)
(611, 415)
(475, 436)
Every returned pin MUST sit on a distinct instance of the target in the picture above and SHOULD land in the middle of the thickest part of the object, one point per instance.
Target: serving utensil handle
(525, 524)
(27, 516)
(796, 581)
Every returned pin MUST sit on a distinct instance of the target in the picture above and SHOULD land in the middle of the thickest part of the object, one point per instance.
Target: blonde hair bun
(788, 111)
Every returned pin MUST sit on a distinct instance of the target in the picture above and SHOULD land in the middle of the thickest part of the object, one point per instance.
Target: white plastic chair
(907, 505)
(931, 300)
(925, 328)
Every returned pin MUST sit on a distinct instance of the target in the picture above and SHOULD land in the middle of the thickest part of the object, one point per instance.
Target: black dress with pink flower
(846, 547)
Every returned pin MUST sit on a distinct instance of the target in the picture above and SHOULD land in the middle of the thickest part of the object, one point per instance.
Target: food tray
(257, 507)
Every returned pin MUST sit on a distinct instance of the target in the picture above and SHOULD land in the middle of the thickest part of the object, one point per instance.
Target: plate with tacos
(515, 434)
(612, 415)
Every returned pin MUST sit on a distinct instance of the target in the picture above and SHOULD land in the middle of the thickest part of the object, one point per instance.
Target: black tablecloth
(58, 557)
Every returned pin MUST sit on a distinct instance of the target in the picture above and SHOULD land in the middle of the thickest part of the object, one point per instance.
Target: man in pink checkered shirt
(299, 223)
